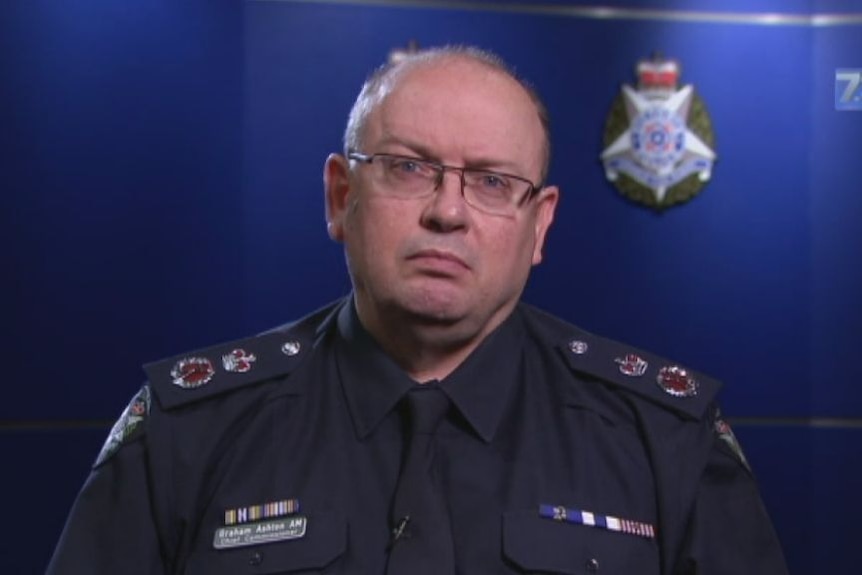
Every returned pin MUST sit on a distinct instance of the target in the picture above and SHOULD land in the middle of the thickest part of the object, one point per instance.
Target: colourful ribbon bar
(263, 511)
(588, 518)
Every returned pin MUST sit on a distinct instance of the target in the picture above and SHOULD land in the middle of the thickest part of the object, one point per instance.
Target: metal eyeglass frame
(441, 169)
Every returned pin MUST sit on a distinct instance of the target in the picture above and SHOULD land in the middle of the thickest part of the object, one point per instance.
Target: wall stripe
(48, 425)
(611, 13)
(811, 422)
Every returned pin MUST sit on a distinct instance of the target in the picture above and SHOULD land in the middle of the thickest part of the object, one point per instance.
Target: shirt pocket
(325, 540)
(539, 545)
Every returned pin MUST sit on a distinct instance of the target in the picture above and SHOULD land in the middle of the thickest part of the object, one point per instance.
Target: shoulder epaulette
(644, 374)
(647, 375)
(211, 371)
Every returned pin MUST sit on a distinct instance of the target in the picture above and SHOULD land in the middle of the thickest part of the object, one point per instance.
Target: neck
(425, 350)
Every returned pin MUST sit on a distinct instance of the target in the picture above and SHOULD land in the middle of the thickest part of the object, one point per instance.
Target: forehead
(459, 109)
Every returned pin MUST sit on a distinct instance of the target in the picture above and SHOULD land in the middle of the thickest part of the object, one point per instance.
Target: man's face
(438, 261)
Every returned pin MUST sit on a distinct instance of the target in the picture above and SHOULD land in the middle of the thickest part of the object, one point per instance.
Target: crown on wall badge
(397, 55)
(658, 139)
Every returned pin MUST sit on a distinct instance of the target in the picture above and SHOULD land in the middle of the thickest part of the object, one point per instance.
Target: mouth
(439, 260)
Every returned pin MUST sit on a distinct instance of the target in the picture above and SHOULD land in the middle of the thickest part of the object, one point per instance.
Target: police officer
(428, 422)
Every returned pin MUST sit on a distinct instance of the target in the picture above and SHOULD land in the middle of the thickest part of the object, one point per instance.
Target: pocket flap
(324, 540)
(542, 545)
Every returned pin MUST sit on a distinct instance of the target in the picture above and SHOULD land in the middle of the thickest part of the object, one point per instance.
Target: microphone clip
(399, 531)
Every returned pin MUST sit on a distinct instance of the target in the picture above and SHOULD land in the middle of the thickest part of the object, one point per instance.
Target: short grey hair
(381, 82)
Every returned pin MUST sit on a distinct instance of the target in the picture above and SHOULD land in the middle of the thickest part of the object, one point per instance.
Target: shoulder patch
(129, 422)
(649, 376)
(212, 371)
(725, 434)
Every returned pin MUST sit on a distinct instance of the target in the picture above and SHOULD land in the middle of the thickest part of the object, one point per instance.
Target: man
(428, 423)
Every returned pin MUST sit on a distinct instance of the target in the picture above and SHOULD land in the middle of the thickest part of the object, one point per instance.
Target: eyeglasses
(408, 177)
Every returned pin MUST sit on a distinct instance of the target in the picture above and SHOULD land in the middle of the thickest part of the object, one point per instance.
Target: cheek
(373, 231)
(510, 251)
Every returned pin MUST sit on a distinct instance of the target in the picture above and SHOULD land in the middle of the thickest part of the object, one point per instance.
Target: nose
(446, 210)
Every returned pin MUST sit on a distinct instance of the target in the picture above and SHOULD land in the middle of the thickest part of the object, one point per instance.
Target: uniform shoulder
(211, 371)
(641, 373)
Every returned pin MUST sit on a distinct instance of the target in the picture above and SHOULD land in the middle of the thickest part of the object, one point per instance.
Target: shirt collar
(480, 387)
(373, 383)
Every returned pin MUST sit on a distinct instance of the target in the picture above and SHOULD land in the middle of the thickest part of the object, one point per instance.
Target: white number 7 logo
(853, 79)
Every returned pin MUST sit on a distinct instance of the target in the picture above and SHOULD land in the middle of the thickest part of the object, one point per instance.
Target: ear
(546, 206)
(336, 187)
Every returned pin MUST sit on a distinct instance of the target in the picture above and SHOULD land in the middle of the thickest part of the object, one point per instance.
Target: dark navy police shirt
(552, 460)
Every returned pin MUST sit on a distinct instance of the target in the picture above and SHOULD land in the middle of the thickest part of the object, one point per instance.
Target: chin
(436, 313)
(438, 306)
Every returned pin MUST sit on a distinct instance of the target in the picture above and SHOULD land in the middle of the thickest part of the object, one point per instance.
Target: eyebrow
(413, 147)
(425, 153)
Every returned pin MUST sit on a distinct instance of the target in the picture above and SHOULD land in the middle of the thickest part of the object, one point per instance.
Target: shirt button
(592, 566)
(255, 559)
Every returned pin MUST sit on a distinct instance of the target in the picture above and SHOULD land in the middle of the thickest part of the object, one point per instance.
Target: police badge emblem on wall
(658, 139)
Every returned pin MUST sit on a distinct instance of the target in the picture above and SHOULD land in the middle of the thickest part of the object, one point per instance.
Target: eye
(489, 180)
(406, 166)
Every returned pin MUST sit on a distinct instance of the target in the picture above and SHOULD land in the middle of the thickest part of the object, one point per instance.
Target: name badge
(283, 529)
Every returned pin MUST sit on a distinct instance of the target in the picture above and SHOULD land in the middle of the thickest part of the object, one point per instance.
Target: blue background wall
(161, 186)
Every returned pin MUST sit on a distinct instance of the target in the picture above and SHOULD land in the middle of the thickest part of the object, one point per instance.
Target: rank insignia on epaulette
(578, 347)
(192, 372)
(658, 138)
(129, 421)
(238, 361)
(291, 348)
(209, 372)
(639, 372)
(633, 365)
(677, 381)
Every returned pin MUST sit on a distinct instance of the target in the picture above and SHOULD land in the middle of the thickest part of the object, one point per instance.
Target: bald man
(429, 422)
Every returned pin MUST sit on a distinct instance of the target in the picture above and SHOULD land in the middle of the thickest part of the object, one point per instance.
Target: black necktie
(421, 537)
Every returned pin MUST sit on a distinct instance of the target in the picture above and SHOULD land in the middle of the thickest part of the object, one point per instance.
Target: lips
(439, 259)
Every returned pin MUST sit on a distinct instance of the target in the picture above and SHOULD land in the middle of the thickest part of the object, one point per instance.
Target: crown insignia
(657, 75)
